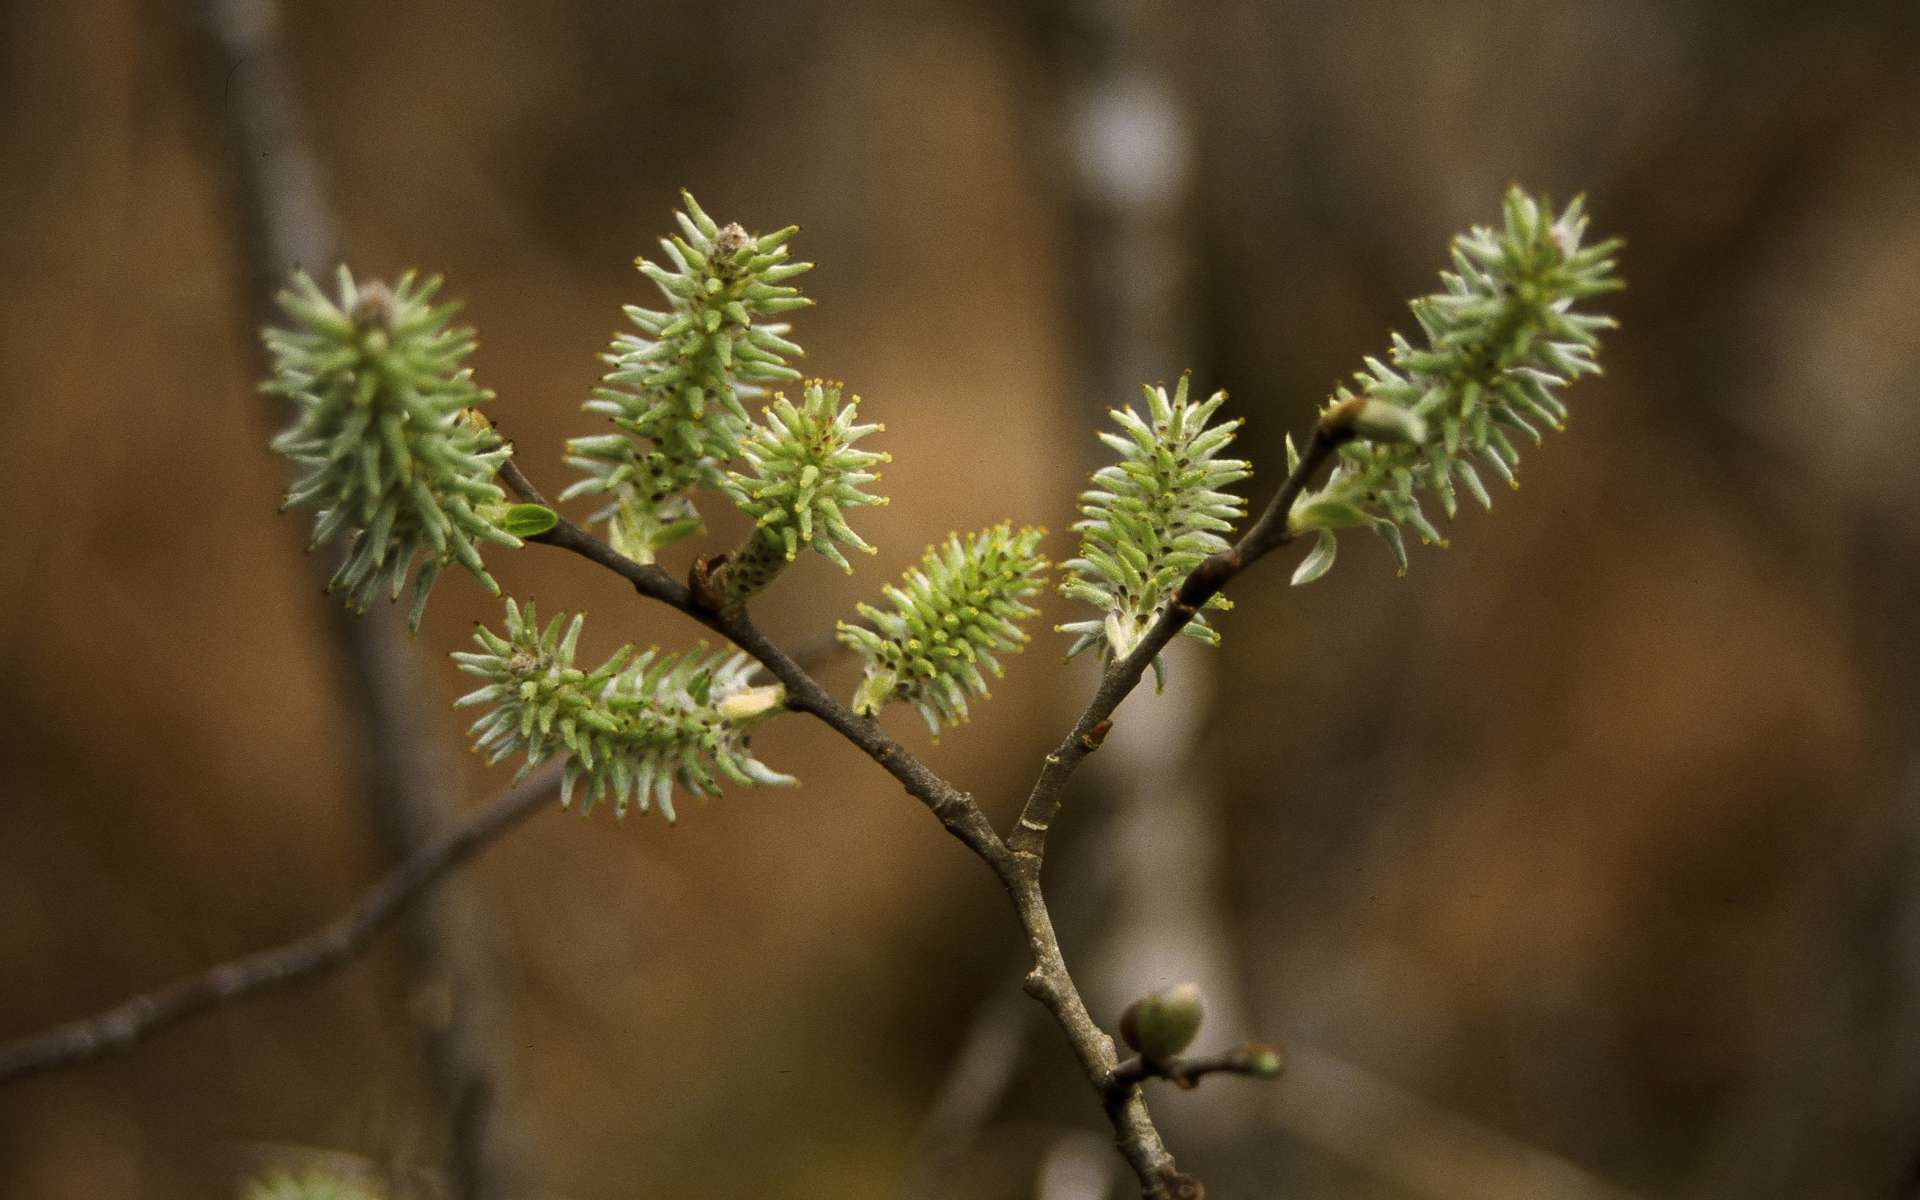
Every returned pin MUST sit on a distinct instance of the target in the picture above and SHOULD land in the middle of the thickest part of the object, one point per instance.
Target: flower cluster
(1501, 338)
(389, 453)
(634, 726)
(1150, 518)
(802, 474)
(678, 386)
(962, 605)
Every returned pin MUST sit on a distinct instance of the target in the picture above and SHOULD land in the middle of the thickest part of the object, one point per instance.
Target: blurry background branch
(328, 948)
(281, 214)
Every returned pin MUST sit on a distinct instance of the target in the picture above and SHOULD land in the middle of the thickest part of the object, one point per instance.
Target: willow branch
(956, 810)
(326, 949)
(1265, 535)
(1048, 981)
(1052, 985)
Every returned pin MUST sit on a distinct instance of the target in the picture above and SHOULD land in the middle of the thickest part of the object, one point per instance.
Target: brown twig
(1255, 1059)
(1048, 980)
(333, 945)
(1018, 870)
(1017, 860)
(957, 811)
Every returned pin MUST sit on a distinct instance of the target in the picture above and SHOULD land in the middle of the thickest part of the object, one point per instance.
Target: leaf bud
(1162, 1024)
(1262, 1061)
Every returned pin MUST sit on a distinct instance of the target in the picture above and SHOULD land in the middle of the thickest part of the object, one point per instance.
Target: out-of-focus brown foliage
(1600, 828)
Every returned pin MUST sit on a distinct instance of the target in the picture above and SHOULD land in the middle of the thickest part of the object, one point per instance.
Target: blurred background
(1584, 861)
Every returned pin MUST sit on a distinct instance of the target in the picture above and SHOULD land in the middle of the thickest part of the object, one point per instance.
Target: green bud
(1377, 421)
(1262, 1061)
(1162, 1024)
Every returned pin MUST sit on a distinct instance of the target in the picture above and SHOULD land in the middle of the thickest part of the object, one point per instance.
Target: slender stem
(1269, 533)
(1016, 862)
(331, 946)
(1048, 981)
(1256, 1059)
(957, 811)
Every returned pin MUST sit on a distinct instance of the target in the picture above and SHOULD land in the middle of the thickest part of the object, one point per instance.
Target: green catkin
(950, 616)
(313, 1183)
(1151, 518)
(633, 728)
(1503, 338)
(678, 389)
(390, 448)
(802, 474)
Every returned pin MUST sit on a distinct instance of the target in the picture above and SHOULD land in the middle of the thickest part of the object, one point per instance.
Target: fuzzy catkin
(391, 448)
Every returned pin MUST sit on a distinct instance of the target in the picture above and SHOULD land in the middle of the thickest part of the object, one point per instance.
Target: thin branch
(986, 1065)
(333, 945)
(1269, 533)
(1052, 985)
(957, 811)
(1256, 1059)
(1048, 981)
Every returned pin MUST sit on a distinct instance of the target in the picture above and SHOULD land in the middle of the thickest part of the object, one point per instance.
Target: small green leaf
(1318, 561)
(529, 520)
(1390, 533)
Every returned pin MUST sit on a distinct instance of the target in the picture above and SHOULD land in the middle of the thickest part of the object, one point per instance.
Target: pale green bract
(388, 452)
(1502, 339)
(633, 727)
(950, 616)
(1151, 518)
(678, 386)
